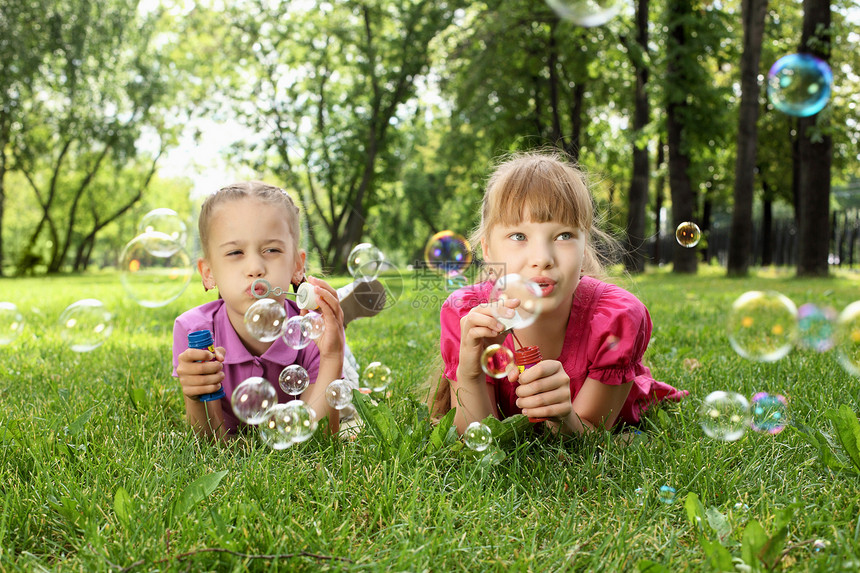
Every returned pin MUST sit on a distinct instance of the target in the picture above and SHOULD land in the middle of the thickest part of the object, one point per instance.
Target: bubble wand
(304, 295)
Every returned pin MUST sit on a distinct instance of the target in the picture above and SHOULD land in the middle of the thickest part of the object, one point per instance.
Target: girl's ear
(485, 251)
(206, 274)
(299, 273)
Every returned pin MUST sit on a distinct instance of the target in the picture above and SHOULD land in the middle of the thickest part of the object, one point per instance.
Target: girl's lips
(547, 289)
(547, 285)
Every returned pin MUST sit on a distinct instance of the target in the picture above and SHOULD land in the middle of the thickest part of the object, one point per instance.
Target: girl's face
(249, 239)
(549, 254)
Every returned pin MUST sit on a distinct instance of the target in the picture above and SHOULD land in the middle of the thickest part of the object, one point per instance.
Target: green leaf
(848, 431)
(79, 423)
(442, 429)
(817, 440)
(648, 566)
(122, 505)
(754, 539)
(718, 556)
(506, 430)
(196, 492)
(718, 523)
(695, 511)
(378, 419)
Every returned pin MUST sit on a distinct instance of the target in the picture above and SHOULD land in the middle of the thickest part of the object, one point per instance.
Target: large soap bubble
(478, 436)
(85, 325)
(762, 325)
(725, 416)
(252, 400)
(529, 293)
(365, 262)
(11, 323)
(799, 84)
(264, 319)
(165, 221)
(154, 270)
(448, 253)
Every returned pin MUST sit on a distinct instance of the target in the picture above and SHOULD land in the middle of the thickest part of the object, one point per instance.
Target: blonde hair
(276, 196)
(550, 189)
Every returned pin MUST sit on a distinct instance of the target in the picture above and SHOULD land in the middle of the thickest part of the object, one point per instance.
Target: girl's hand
(200, 371)
(544, 390)
(331, 343)
(479, 329)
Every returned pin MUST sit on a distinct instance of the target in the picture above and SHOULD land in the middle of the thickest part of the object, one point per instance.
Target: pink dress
(607, 334)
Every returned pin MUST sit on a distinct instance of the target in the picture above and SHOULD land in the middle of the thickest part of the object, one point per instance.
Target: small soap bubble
(296, 333)
(478, 436)
(264, 319)
(666, 494)
(338, 394)
(377, 376)
(252, 400)
(739, 506)
(640, 494)
(304, 422)
(313, 325)
(724, 416)
(448, 253)
(152, 271)
(799, 84)
(762, 326)
(495, 361)
(688, 234)
(365, 262)
(11, 323)
(276, 430)
(820, 545)
(165, 221)
(529, 293)
(847, 338)
(294, 380)
(586, 13)
(815, 326)
(85, 325)
(769, 412)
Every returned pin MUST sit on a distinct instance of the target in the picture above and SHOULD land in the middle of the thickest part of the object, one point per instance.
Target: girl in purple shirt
(250, 231)
(537, 221)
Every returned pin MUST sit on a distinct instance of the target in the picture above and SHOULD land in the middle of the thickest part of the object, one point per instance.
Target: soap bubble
(724, 416)
(377, 376)
(529, 293)
(847, 338)
(819, 545)
(640, 494)
(495, 361)
(799, 84)
(264, 319)
(11, 323)
(815, 326)
(296, 333)
(276, 430)
(688, 234)
(666, 494)
(587, 13)
(252, 400)
(85, 325)
(338, 394)
(313, 325)
(165, 221)
(151, 277)
(454, 282)
(294, 380)
(364, 262)
(739, 506)
(478, 436)
(762, 325)
(769, 412)
(448, 253)
(303, 419)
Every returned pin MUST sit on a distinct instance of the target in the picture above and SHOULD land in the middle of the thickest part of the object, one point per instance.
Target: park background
(384, 120)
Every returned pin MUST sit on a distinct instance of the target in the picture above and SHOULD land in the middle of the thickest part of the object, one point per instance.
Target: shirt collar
(234, 349)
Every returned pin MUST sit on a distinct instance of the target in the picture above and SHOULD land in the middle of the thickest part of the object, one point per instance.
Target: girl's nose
(255, 267)
(542, 257)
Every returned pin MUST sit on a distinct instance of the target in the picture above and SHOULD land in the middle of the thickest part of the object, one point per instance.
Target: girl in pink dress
(537, 221)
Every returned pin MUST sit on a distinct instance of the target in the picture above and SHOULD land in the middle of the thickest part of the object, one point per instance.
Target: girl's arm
(597, 405)
(331, 345)
(201, 372)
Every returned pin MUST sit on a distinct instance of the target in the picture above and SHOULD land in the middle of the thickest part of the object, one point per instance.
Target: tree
(740, 237)
(815, 153)
(637, 198)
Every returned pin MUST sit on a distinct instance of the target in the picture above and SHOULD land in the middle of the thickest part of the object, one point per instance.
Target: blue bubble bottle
(203, 340)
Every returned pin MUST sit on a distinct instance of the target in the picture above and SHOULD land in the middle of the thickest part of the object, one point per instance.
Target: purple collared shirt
(239, 363)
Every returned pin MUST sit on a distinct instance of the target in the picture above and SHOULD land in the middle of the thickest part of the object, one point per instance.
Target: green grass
(95, 454)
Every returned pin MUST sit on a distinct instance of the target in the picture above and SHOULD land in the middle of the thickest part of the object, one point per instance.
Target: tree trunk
(680, 186)
(816, 156)
(658, 201)
(740, 238)
(637, 198)
(767, 229)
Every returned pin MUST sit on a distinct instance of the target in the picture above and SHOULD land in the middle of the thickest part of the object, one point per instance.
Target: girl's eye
(517, 236)
(273, 250)
(565, 236)
(233, 253)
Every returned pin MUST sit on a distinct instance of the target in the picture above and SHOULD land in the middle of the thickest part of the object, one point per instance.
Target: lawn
(99, 471)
